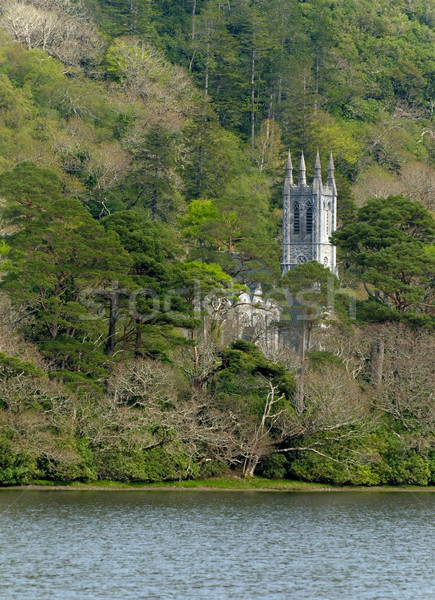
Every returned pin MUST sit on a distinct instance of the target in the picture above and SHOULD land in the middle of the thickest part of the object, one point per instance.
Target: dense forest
(142, 155)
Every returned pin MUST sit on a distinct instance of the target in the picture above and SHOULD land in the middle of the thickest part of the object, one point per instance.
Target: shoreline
(213, 485)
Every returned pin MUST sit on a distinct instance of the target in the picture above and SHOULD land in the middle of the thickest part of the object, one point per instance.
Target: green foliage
(17, 466)
(149, 154)
(235, 229)
(211, 469)
(274, 466)
(60, 258)
(12, 367)
(87, 460)
(386, 246)
(245, 357)
(314, 467)
(121, 17)
(153, 182)
(385, 458)
(27, 188)
(243, 379)
(64, 470)
(156, 464)
(198, 213)
(320, 359)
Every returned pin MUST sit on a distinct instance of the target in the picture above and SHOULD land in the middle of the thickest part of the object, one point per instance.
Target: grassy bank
(224, 484)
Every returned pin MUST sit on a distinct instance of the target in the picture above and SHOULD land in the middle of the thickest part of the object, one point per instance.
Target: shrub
(152, 465)
(273, 466)
(16, 467)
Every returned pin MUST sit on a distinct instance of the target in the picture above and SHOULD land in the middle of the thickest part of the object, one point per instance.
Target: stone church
(309, 217)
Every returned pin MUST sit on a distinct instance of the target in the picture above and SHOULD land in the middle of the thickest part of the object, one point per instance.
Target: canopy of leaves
(387, 245)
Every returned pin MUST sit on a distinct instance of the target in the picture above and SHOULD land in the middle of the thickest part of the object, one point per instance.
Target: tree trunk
(263, 150)
(300, 393)
(378, 351)
(207, 64)
(199, 172)
(137, 339)
(193, 21)
(253, 99)
(250, 466)
(113, 318)
(133, 17)
(316, 95)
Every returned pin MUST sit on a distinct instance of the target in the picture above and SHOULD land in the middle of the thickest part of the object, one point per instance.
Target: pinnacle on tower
(317, 181)
(317, 167)
(331, 179)
(302, 170)
(289, 168)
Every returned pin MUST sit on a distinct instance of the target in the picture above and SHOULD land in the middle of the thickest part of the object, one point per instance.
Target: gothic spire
(302, 170)
(331, 179)
(317, 167)
(317, 181)
(288, 181)
(289, 168)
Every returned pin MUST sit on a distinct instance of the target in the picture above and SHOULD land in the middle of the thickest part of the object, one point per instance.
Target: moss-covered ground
(256, 484)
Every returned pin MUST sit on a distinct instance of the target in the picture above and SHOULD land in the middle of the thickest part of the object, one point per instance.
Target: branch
(316, 451)
(35, 310)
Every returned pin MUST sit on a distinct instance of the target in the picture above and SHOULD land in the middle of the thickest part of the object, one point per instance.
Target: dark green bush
(152, 465)
(213, 468)
(273, 466)
(16, 467)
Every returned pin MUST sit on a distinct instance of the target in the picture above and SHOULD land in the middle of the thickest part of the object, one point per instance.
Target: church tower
(309, 217)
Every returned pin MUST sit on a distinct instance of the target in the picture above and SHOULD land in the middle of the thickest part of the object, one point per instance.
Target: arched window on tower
(297, 219)
(309, 219)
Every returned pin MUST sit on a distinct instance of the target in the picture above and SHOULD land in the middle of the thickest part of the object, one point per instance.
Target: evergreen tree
(61, 262)
(388, 247)
(149, 312)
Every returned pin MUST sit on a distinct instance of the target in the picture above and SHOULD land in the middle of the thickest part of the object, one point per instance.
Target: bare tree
(63, 29)
(335, 411)
(11, 343)
(415, 180)
(352, 346)
(146, 411)
(418, 182)
(405, 386)
(38, 420)
(145, 74)
(256, 440)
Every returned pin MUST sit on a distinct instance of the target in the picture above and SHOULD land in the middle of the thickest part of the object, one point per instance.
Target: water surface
(80, 545)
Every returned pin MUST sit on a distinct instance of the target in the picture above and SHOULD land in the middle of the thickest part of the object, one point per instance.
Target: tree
(59, 260)
(63, 30)
(152, 177)
(235, 229)
(312, 288)
(27, 188)
(259, 443)
(254, 393)
(147, 318)
(144, 73)
(404, 389)
(150, 408)
(199, 280)
(387, 246)
(214, 156)
(267, 150)
(126, 17)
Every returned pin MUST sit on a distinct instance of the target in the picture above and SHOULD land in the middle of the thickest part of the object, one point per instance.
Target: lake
(80, 545)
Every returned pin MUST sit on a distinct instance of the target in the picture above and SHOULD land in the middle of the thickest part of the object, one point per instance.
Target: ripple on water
(213, 546)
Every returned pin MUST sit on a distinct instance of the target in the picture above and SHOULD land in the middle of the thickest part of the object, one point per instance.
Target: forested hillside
(142, 155)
